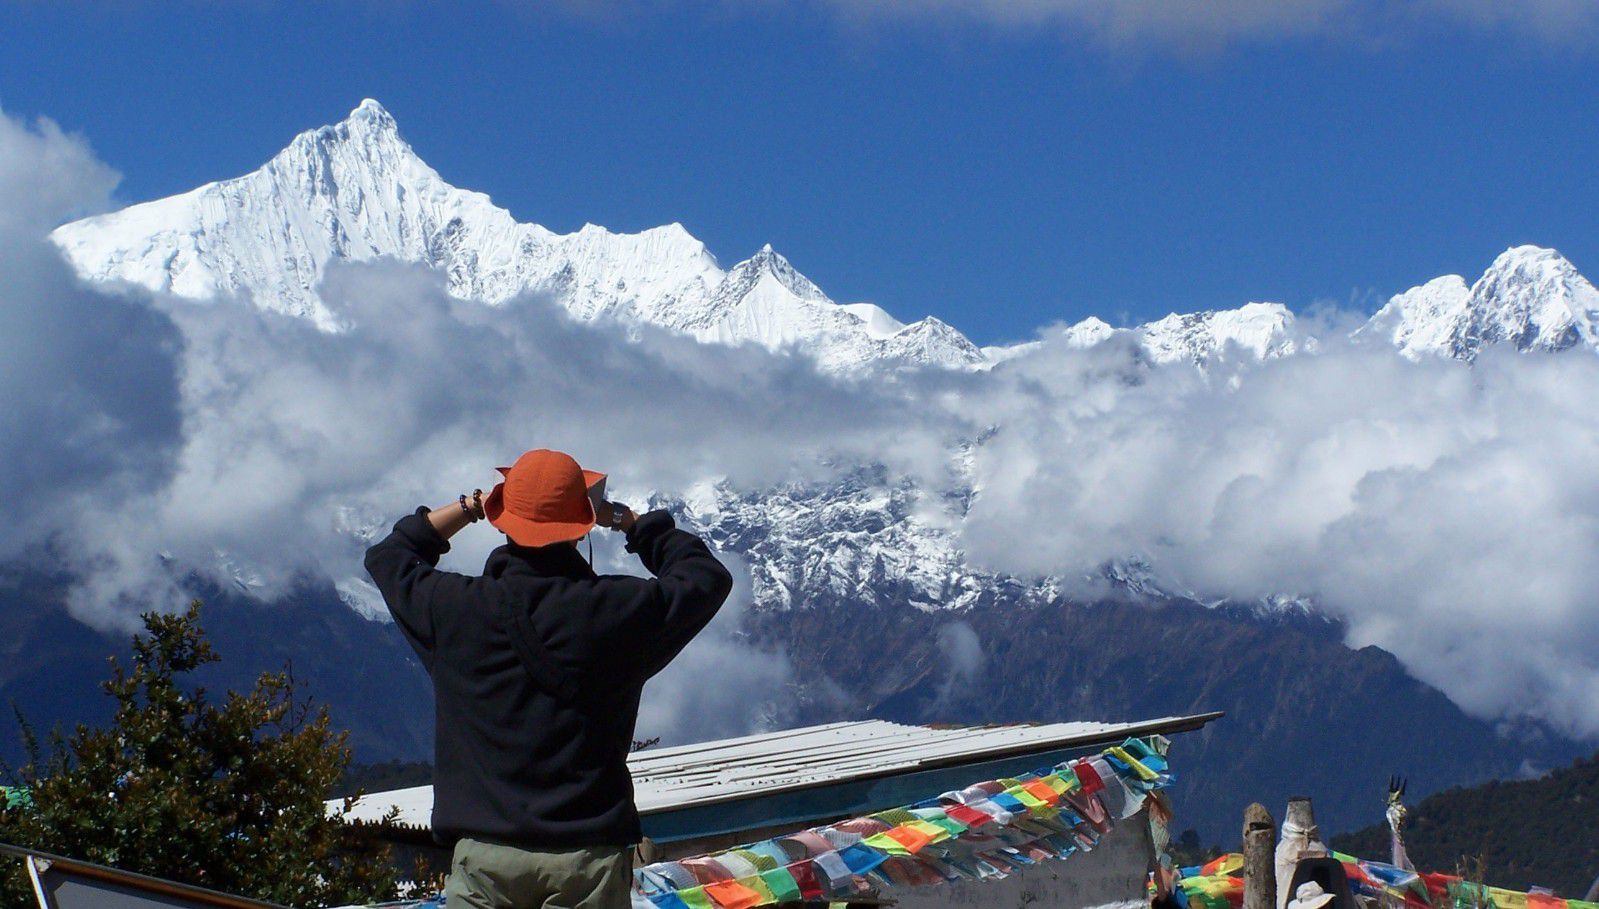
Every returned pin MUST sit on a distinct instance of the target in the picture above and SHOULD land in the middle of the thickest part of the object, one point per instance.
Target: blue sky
(999, 171)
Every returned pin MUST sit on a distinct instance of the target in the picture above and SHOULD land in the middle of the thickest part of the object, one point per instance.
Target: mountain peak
(932, 341)
(744, 276)
(1087, 333)
(362, 154)
(369, 108)
(1531, 263)
(368, 121)
(1262, 330)
(1526, 254)
(356, 191)
(1531, 297)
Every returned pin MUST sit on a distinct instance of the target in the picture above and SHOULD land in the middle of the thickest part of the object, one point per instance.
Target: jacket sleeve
(403, 566)
(690, 585)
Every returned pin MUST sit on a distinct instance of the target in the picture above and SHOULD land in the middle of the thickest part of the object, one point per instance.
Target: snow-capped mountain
(764, 299)
(817, 552)
(1255, 330)
(1252, 332)
(356, 191)
(1530, 297)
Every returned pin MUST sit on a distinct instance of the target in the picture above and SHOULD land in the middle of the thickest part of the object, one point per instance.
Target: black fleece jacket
(537, 668)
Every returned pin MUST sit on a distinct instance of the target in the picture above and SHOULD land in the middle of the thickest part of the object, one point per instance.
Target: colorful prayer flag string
(1219, 884)
(984, 831)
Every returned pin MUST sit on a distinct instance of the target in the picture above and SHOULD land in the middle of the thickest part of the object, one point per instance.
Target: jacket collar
(558, 561)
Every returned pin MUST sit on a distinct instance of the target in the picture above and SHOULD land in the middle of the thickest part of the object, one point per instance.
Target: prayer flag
(695, 898)
(732, 895)
(782, 884)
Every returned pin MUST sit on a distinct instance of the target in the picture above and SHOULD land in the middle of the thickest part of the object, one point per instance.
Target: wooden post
(1260, 845)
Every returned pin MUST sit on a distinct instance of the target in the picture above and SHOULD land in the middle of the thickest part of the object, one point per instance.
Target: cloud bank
(88, 386)
(1448, 514)
(1174, 25)
(1217, 23)
(299, 446)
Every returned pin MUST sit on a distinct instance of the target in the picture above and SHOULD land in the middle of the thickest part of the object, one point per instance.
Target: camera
(606, 513)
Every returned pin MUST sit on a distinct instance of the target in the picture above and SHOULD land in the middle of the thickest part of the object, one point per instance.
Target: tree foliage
(223, 794)
(1521, 833)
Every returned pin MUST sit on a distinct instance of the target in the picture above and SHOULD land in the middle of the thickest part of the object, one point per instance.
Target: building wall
(1114, 872)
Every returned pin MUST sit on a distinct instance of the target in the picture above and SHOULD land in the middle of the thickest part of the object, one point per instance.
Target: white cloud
(1449, 514)
(297, 445)
(752, 691)
(962, 651)
(88, 396)
(1180, 23)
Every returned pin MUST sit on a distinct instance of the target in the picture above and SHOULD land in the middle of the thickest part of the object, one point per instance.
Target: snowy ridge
(1252, 332)
(1530, 297)
(1257, 331)
(765, 299)
(356, 191)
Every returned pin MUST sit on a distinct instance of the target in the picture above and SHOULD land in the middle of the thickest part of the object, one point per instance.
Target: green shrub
(226, 795)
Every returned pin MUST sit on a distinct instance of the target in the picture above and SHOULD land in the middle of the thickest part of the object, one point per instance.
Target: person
(537, 668)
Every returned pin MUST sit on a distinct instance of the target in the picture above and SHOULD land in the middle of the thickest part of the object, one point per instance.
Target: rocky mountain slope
(1304, 712)
(1529, 833)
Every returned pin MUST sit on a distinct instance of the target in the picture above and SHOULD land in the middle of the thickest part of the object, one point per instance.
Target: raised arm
(690, 584)
(403, 566)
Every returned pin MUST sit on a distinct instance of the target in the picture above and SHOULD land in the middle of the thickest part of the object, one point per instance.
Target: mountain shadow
(1305, 713)
(1539, 832)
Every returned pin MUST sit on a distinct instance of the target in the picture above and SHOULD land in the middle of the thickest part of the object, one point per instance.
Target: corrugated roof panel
(682, 776)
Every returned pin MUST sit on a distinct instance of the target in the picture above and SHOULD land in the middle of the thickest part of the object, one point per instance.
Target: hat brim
(533, 534)
(1315, 902)
(590, 477)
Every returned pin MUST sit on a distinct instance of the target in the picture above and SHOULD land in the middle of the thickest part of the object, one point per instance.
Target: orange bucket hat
(544, 499)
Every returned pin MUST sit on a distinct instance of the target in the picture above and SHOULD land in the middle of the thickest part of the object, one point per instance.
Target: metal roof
(707, 773)
(64, 882)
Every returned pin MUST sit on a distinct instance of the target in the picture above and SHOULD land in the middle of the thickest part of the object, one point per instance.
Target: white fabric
(1309, 896)
(834, 866)
(1297, 842)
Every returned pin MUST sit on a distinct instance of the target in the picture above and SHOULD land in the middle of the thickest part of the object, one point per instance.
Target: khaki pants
(492, 876)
